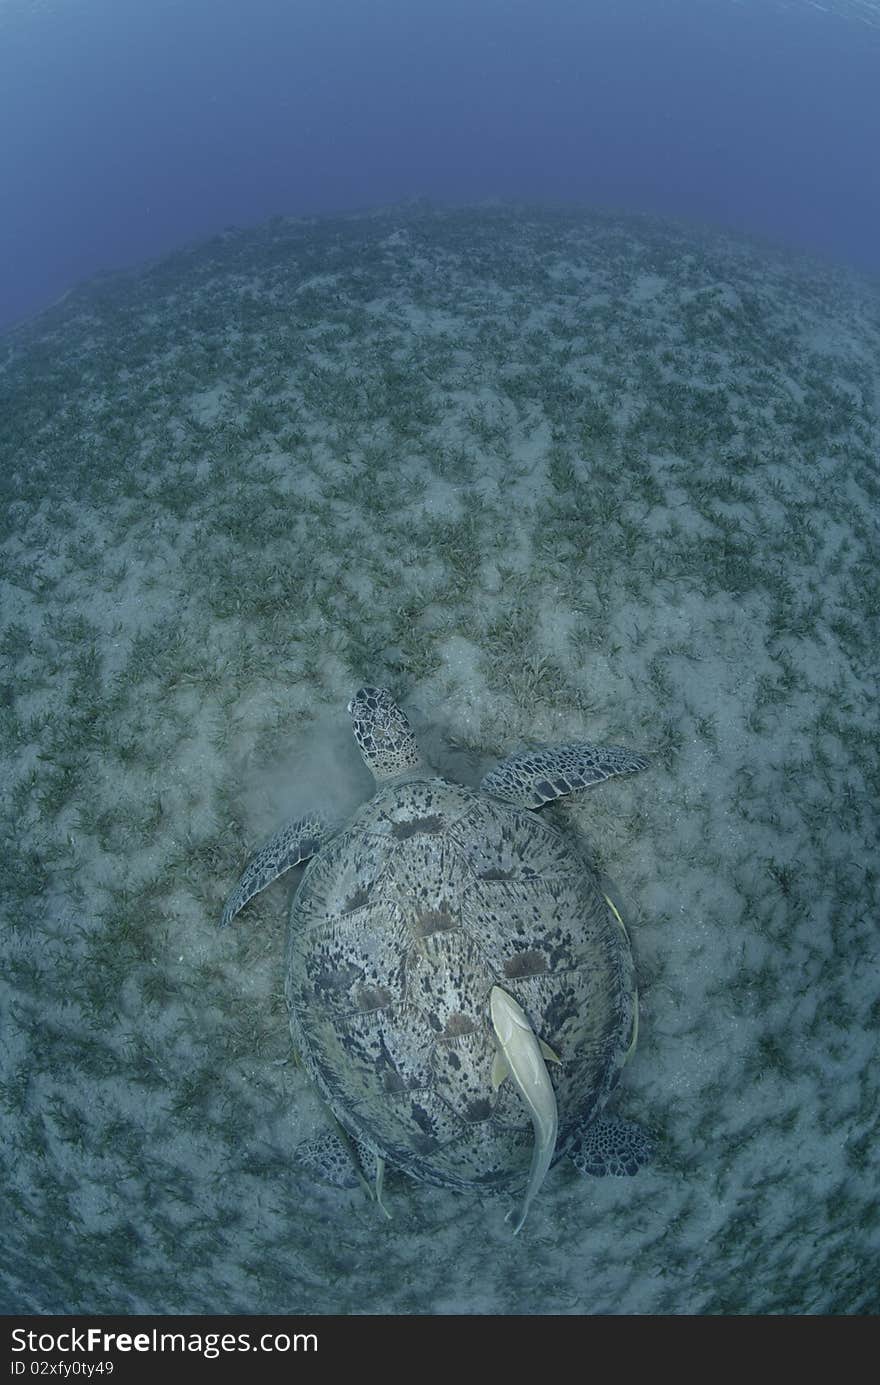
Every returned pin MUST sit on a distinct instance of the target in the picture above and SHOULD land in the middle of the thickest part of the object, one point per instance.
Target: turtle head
(383, 734)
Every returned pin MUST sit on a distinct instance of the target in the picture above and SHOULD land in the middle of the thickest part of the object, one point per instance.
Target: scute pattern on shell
(403, 922)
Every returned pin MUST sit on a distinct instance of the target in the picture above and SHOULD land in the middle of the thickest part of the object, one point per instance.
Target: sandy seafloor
(550, 475)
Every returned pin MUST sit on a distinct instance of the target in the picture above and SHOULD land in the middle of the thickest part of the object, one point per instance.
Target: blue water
(129, 128)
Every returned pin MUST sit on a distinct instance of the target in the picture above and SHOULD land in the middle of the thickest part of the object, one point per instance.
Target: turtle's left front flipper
(537, 777)
(291, 846)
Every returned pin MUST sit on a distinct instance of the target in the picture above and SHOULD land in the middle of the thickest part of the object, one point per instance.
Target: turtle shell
(403, 922)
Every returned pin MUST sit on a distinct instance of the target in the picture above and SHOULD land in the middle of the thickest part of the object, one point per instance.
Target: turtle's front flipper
(612, 1146)
(293, 844)
(538, 777)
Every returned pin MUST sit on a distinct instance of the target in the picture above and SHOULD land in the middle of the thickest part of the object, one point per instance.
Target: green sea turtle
(461, 989)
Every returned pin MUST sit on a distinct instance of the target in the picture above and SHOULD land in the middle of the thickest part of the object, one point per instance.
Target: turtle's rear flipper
(331, 1155)
(540, 776)
(328, 1156)
(612, 1146)
(293, 844)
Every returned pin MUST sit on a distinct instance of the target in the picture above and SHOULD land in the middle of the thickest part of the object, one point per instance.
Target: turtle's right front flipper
(536, 777)
(291, 846)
